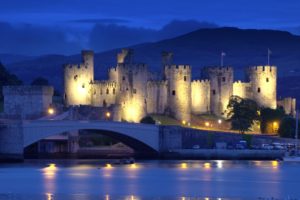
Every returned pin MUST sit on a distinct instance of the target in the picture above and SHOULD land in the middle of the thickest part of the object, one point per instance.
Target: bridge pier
(11, 142)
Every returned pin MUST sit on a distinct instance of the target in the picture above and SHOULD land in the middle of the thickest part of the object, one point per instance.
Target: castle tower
(179, 91)
(125, 56)
(221, 87)
(78, 80)
(263, 80)
(200, 96)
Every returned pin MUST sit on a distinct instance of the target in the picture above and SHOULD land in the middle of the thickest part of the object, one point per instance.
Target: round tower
(78, 81)
(179, 91)
(263, 81)
(221, 87)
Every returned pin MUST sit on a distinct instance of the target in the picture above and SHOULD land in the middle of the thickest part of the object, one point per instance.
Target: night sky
(35, 27)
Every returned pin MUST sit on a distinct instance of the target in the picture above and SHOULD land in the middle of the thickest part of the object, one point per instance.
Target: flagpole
(268, 57)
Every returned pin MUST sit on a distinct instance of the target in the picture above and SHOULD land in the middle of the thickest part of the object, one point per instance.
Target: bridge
(17, 135)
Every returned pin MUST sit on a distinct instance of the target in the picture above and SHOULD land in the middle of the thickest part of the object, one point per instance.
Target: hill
(243, 47)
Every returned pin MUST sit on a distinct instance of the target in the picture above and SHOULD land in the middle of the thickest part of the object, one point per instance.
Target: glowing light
(219, 121)
(50, 171)
(108, 166)
(107, 197)
(49, 196)
(275, 163)
(206, 124)
(275, 126)
(133, 166)
(183, 122)
(219, 164)
(107, 114)
(183, 166)
(51, 111)
(207, 165)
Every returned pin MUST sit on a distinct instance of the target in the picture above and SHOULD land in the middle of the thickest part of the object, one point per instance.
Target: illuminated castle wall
(133, 92)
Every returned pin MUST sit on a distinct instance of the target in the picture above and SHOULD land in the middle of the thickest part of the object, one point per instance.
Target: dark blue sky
(64, 26)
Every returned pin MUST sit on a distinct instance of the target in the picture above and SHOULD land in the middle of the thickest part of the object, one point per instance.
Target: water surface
(182, 180)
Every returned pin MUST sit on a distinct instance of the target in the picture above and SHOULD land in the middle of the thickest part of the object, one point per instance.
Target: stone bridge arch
(140, 137)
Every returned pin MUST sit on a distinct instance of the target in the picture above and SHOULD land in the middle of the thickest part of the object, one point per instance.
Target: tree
(40, 81)
(242, 113)
(287, 127)
(147, 120)
(270, 118)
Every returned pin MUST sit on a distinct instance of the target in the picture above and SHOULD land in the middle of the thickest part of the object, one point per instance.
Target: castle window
(107, 91)
(267, 79)
(184, 78)
(214, 92)
(223, 79)
(134, 91)
(104, 103)
(83, 86)
(123, 78)
(258, 90)
(75, 77)
(173, 92)
(114, 91)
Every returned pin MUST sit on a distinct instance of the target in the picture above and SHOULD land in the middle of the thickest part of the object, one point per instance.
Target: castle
(133, 92)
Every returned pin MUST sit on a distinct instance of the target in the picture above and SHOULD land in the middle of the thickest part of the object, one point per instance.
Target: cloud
(35, 40)
(111, 36)
(101, 21)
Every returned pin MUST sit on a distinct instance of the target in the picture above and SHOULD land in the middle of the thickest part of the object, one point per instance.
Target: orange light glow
(184, 166)
(107, 114)
(108, 166)
(50, 111)
(275, 163)
(207, 165)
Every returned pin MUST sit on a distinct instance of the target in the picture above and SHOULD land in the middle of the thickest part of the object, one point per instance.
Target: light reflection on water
(182, 180)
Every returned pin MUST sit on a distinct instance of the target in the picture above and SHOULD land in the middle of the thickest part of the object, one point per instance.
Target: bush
(287, 128)
(147, 120)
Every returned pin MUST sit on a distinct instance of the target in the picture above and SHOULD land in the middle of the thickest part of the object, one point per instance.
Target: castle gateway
(133, 92)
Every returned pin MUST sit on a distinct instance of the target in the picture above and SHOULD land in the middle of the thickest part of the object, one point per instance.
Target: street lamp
(107, 115)
(51, 111)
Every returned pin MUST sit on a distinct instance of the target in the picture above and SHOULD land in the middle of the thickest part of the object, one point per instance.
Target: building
(132, 91)
(27, 102)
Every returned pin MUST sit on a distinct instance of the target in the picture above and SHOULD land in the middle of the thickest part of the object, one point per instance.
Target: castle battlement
(262, 69)
(201, 81)
(178, 67)
(156, 83)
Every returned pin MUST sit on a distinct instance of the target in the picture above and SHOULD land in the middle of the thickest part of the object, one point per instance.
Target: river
(182, 180)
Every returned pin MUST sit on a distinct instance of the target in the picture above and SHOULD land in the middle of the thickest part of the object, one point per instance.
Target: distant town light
(207, 165)
(108, 166)
(183, 165)
(51, 111)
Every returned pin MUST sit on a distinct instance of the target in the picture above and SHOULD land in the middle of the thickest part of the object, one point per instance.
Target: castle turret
(179, 91)
(200, 96)
(263, 85)
(78, 80)
(221, 87)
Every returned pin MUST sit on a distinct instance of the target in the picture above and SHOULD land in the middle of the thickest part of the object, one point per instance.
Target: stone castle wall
(221, 87)
(263, 80)
(134, 92)
(242, 89)
(200, 96)
(156, 97)
(179, 91)
(78, 81)
(28, 101)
